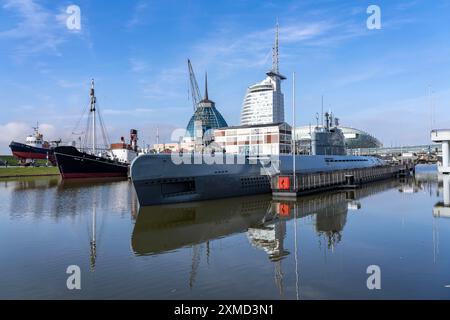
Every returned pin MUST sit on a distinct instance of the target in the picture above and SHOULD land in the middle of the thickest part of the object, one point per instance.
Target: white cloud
(35, 30)
(13, 131)
(18, 131)
(171, 84)
(139, 66)
(39, 29)
(69, 84)
(138, 13)
(367, 74)
(233, 50)
(297, 33)
(139, 111)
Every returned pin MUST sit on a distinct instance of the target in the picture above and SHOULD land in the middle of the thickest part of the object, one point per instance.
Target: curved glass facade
(209, 116)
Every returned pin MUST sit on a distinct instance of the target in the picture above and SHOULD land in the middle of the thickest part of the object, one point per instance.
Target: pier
(287, 186)
(443, 136)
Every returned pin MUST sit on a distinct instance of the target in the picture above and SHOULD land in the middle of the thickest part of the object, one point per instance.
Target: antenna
(275, 52)
(206, 86)
(275, 72)
(157, 138)
(322, 112)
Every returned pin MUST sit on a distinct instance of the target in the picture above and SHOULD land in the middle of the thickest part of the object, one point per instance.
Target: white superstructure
(264, 101)
(124, 152)
(36, 140)
(443, 136)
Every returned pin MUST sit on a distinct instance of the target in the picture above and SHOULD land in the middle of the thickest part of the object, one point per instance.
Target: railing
(397, 150)
(335, 179)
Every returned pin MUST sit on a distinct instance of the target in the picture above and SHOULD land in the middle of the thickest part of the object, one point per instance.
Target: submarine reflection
(164, 228)
(160, 229)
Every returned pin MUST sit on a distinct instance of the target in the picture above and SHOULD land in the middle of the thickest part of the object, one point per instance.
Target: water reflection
(84, 202)
(22, 201)
(40, 197)
(93, 240)
(250, 247)
(442, 208)
(110, 193)
(159, 229)
(424, 180)
(162, 229)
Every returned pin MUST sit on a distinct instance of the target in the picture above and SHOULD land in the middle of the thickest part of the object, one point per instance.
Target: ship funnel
(134, 139)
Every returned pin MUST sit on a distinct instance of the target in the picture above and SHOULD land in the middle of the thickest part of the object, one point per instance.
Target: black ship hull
(74, 164)
(23, 151)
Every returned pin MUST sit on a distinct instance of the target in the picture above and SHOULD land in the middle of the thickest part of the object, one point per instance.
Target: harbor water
(318, 247)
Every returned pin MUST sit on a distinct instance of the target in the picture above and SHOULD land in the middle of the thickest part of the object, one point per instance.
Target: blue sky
(376, 80)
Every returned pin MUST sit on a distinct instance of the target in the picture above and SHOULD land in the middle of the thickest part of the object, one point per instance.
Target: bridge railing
(433, 148)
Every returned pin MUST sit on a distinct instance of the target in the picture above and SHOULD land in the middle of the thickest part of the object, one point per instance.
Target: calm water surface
(241, 248)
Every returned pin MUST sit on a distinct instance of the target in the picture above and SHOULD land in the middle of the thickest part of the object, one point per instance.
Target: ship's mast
(322, 113)
(93, 242)
(92, 109)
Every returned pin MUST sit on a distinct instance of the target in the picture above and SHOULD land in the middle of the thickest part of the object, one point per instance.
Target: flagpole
(294, 180)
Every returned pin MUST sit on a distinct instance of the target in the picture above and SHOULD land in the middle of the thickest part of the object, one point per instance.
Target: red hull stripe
(30, 155)
(92, 175)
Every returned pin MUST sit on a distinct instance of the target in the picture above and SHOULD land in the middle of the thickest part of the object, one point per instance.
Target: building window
(231, 132)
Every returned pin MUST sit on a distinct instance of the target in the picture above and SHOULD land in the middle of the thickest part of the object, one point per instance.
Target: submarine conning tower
(328, 140)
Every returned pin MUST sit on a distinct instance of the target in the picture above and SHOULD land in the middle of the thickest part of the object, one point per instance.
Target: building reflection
(422, 181)
(440, 185)
(269, 236)
(442, 208)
